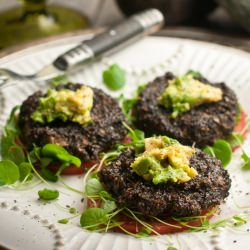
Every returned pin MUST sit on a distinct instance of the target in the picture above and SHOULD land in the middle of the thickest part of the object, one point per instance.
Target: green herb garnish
(9, 172)
(193, 73)
(93, 187)
(72, 210)
(63, 221)
(235, 139)
(59, 80)
(220, 150)
(10, 134)
(246, 161)
(25, 169)
(114, 77)
(128, 104)
(48, 194)
(172, 248)
(57, 152)
(93, 217)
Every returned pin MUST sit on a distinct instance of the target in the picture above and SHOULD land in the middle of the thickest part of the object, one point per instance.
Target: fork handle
(118, 36)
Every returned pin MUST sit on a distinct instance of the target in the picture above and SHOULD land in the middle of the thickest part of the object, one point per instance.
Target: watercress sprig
(114, 77)
(127, 104)
(137, 143)
(17, 166)
(48, 194)
(220, 150)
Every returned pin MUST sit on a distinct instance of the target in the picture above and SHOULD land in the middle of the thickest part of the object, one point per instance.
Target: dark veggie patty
(202, 124)
(204, 191)
(85, 142)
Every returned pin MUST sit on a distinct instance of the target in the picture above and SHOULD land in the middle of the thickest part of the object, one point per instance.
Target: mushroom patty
(209, 188)
(202, 124)
(85, 142)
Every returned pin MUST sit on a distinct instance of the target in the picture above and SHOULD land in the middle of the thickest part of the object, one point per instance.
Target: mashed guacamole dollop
(164, 160)
(186, 92)
(66, 105)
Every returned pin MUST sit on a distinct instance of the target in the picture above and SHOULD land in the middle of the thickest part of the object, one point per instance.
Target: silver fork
(9, 77)
(134, 28)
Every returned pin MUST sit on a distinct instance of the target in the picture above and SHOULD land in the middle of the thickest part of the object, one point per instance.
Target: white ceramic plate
(27, 223)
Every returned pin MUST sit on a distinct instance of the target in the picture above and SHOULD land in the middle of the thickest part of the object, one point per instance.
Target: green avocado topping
(164, 160)
(66, 105)
(186, 92)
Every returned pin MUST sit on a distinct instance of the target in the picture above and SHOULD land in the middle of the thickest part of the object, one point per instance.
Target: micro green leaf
(93, 187)
(246, 161)
(9, 172)
(60, 153)
(10, 133)
(72, 210)
(239, 220)
(25, 171)
(246, 165)
(209, 150)
(35, 154)
(108, 206)
(172, 248)
(48, 194)
(63, 221)
(244, 156)
(128, 104)
(235, 139)
(91, 218)
(11, 126)
(114, 77)
(221, 150)
(6, 142)
(193, 73)
(136, 135)
(69, 158)
(59, 80)
(48, 175)
(16, 154)
(45, 161)
(105, 195)
(52, 150)
(145, 232)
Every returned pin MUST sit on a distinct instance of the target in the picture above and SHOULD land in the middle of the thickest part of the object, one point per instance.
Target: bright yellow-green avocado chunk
(164, 160)
(184, 93)
(66, 105)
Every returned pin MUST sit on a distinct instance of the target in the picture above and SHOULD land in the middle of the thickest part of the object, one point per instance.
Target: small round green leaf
(114, 77)
(223, 152)
(16, 154)
(91, 218)
(63, 221)
(48, 194)
(93, 187)
(25, 171)
(9, 172)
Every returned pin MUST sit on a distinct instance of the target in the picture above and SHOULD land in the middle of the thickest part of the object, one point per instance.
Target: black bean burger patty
(86, 142)
(202, 124)
(209, 188)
